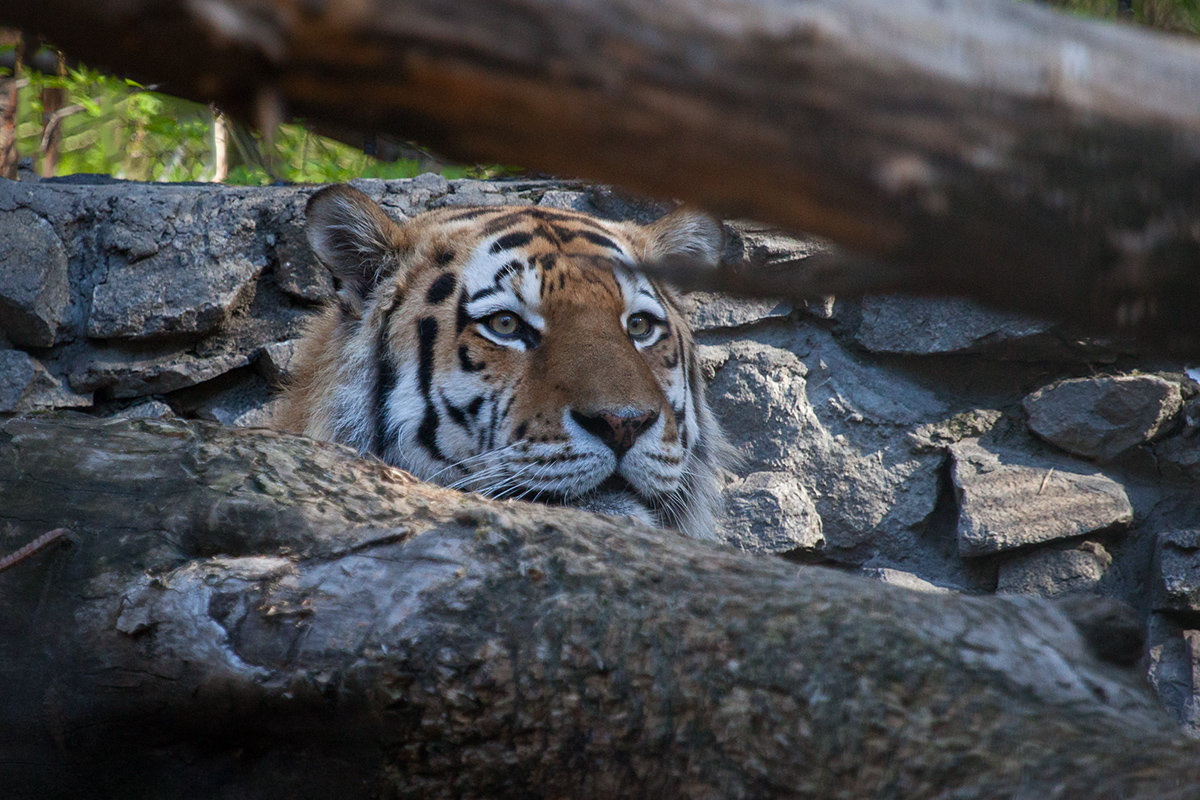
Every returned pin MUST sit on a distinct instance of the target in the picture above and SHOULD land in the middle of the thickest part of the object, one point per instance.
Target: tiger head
(513, 351)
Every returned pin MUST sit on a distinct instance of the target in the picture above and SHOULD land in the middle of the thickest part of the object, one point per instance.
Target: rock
(182, 267)
(26, 385)
(711, 311)
(900, 324)
(274, 361)
(237, 399)
(968, 424)
(1174, 672)
(132, 373)
(866, 483)
(770, 512)
(1004, 503)
(165, 294)
(1103, 417)
(1177, 570)
(759, 396)
(1054, 571)
(571, 201)
(908, 580)
(34, 287)
(150, 409)
(297, 270)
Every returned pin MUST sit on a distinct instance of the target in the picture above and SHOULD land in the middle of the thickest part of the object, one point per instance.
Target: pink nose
(618, 428)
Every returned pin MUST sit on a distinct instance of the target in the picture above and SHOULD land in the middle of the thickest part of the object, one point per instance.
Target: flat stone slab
(1103, 417)
(1005, 504)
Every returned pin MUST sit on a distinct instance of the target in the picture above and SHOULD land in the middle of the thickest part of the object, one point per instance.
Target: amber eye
(503, 323)
(640, 326)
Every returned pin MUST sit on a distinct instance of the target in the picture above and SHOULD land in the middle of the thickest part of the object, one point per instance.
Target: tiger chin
(514, 352)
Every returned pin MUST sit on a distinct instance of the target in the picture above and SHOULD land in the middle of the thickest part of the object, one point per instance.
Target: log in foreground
(252, 614)
(992, 148)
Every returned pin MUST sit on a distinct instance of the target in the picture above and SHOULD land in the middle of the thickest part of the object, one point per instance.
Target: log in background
(249, 614)
(988, 147)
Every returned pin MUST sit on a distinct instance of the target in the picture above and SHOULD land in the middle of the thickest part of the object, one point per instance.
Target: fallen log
(245, 613)
(991, 148)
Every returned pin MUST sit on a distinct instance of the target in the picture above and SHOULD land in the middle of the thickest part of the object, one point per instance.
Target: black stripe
(440, 289)
(482, 293)
(462, 319)
(457, 415)
(474, 406)
(600, 241)
(510, 240)
(427, 330)
(385, 383)
(464, 360)
(443, 257)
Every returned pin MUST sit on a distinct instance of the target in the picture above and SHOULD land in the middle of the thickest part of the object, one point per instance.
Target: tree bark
(999, 149)
(246, 613)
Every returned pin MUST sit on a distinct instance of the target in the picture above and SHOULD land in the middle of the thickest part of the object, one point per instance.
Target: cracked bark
(253, 614)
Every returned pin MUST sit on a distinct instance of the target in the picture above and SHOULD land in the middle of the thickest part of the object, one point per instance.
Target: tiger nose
(618, 428)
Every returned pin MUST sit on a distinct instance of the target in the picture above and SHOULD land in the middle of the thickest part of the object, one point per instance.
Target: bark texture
(994, 148)
(251, 614)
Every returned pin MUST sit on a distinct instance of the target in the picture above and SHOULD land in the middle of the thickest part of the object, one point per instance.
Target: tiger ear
(353, 237)
(685, 233)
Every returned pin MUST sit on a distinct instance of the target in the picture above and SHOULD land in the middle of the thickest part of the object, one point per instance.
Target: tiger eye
(639, 326)
(503, 323)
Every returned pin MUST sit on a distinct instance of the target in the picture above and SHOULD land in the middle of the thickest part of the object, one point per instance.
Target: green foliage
(1179, 16)
(118, 127)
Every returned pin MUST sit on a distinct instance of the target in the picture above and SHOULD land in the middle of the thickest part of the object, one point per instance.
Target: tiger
(514, 351)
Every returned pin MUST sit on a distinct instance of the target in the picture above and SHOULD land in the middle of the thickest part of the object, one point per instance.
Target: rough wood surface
(252, 614)
(987, 147)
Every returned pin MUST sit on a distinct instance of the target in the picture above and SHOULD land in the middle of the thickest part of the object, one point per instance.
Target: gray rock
(248, 402)
(1174, 671)
(907, 580)
(770, 512)
(1005, 502)
(297, 270)
(131, 373)
(1054, 571)
(1177, 568)
(759, 394)
(906, 325)
(165, 294)
(711, 311)
(26, 385)
(274, 361)
(34, 288)
(571, 201)
(848, 452)
(1103, 417)
(150, 409)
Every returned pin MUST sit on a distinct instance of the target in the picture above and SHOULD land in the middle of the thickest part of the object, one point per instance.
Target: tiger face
(513, 351)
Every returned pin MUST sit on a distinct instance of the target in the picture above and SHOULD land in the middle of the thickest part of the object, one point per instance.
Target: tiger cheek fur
(514, 352)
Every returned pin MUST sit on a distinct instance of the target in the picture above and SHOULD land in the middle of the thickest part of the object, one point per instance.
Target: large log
(987, 147)
(248, 614)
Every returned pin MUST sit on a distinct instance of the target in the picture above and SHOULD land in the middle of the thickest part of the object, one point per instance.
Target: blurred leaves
(118, 127)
